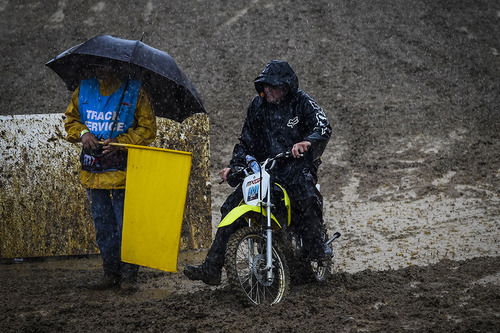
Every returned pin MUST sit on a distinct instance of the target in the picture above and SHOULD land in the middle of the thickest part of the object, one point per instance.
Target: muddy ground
(411, 176)
(451, 296)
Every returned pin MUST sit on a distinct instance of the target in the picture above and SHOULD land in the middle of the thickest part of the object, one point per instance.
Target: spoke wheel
(303, 270)
(246, 267)
(321, 270)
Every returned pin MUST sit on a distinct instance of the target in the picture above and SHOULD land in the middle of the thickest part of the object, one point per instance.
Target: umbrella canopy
(173, 96)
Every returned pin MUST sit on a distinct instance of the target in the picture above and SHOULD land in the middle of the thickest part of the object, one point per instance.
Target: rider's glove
(235, 176)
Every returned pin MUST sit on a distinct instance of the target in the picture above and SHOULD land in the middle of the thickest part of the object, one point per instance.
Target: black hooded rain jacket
(270, 129)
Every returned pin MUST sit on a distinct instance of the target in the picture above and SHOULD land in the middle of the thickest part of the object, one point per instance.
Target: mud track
(411, 176)
(451, 296)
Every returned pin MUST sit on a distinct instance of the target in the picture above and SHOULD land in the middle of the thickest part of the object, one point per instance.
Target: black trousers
(307, 216)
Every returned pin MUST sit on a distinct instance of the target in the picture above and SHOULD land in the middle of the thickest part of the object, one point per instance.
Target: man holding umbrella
(118, 84)
(109, 109)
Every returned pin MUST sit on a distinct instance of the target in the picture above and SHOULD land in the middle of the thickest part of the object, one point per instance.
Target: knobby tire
(241, 271)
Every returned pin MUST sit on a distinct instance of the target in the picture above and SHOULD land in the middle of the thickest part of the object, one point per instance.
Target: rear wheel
(310, 271)
(303, 270)
(245, 266)
(321, 269)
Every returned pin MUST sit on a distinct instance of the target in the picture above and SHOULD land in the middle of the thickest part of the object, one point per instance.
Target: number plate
(255, 188)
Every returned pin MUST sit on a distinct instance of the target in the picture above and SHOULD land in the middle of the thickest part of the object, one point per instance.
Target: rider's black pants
(308, 217)
(217, 251)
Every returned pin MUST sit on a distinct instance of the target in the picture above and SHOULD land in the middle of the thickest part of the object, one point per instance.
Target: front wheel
(245, 266)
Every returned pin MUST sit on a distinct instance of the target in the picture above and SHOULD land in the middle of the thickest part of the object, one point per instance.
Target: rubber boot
(107, 281)
(129, 277)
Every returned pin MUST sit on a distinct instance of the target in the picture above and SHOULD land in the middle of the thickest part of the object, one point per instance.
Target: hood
(276, 73)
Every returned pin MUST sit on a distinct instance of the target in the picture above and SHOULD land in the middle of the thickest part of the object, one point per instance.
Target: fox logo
(292, 122)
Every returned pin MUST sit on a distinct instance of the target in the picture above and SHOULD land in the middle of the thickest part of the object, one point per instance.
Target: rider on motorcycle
(280, 117)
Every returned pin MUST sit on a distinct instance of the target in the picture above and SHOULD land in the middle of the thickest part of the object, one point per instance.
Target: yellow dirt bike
(262, 256)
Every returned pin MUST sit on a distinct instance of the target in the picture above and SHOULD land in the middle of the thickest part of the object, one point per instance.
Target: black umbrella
(172, 95)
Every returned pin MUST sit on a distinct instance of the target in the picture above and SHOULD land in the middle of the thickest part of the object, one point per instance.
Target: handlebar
(272, 160)
(235, 176)
(283, 155)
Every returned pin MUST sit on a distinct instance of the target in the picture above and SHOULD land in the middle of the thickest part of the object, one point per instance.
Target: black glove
(235, 176)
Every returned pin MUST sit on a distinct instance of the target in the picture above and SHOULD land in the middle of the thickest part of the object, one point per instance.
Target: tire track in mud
(403, 201)
(459, 296)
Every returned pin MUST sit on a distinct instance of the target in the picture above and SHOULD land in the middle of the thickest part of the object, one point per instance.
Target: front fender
(239, 211)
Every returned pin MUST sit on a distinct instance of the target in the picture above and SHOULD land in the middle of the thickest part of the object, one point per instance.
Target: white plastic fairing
(252, 191)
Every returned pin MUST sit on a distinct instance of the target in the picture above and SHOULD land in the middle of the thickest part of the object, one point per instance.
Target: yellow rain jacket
(142, 133)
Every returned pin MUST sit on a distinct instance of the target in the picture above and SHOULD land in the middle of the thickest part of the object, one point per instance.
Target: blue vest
(101, 116)
(99, 112)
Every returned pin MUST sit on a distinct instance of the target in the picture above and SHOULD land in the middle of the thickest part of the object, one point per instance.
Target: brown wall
(44, 209)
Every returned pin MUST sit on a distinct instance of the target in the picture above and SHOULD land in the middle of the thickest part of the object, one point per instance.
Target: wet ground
(451, 296)
(411, 176)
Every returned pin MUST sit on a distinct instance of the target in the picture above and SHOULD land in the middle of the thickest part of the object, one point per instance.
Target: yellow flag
(155, 196)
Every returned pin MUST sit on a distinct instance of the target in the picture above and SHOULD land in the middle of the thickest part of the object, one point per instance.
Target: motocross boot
(209, 273)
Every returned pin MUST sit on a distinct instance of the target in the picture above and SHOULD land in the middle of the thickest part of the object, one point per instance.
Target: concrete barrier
(44, 209)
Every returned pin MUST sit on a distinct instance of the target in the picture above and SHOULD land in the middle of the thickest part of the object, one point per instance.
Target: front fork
(269, 239)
